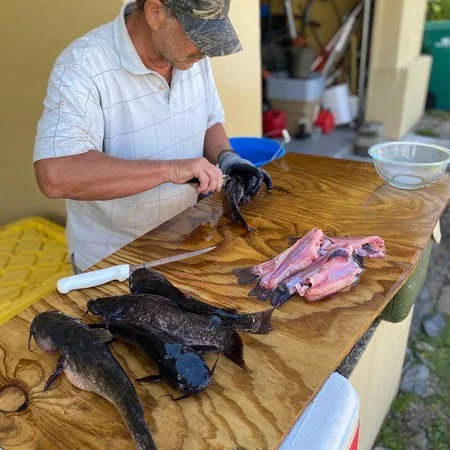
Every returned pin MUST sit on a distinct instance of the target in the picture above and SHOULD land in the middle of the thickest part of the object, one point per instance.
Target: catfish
(147, 281)
(196, 331)
(88, 364)
(179, 365)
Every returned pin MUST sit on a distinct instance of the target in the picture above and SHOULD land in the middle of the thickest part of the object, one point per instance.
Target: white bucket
(337, 99)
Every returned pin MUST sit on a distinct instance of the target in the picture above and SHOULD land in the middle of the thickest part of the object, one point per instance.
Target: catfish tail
(235, 350)
(280, 296)
(260, 292)
(257, 323)
(133, 417)
(245, 275)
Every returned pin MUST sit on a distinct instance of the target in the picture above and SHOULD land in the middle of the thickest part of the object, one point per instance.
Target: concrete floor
(340, 144)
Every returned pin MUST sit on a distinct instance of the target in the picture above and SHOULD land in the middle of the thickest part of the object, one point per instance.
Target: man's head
(185, 31)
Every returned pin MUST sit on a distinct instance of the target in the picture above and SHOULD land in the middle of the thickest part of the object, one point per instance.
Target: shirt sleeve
(72, 121)
(216, 113)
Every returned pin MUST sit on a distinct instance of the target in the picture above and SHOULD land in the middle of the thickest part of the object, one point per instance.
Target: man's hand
(183, 170)
(252, 177)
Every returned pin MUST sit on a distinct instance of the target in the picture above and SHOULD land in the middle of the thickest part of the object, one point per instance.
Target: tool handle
(94, 278)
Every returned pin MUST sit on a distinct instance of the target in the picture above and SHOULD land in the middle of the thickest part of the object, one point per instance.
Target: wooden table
(287, 367)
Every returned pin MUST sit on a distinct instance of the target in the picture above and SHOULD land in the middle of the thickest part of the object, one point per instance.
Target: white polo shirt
(102, 97)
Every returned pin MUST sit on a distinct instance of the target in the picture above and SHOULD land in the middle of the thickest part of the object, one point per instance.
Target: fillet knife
(120, 272)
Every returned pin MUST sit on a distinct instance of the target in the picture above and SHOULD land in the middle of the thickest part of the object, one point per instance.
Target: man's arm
(95, 176)
(216, 141)
(68, 160)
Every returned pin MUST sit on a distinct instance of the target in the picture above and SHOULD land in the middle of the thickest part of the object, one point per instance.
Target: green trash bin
(437, 44)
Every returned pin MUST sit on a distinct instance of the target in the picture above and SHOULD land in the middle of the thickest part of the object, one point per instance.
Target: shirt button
(162, 88)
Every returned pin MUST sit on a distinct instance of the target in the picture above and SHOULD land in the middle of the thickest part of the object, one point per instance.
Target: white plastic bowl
(409, 165)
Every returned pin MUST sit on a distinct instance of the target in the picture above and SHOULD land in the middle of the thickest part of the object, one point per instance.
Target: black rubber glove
(252, 177)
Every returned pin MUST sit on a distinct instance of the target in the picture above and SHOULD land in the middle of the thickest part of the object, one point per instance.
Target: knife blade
(120, 272)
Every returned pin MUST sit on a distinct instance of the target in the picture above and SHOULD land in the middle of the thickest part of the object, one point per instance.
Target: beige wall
(238, 77)
(32, 36)
(397, 96)
(34, 33)
(397, 33)
(398, 76)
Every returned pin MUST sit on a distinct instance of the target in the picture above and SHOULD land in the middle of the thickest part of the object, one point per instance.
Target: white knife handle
(94, 278)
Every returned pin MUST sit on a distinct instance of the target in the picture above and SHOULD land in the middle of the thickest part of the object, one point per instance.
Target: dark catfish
(194, 330)
(241, 185)
(179, 365)
(146, 281)
(234, 193)
(88, 364)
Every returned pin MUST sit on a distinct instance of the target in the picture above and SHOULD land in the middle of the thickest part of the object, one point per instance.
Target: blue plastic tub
(259, 151)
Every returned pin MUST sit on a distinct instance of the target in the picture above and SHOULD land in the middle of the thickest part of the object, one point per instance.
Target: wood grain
(246, 410)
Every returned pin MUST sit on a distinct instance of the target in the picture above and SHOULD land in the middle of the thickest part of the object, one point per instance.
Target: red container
(274, 122)
(325, 121)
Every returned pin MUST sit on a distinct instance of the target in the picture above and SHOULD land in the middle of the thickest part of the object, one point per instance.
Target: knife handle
(94, 278)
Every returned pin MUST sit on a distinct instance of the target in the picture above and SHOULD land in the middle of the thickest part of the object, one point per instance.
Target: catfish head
(48, 330)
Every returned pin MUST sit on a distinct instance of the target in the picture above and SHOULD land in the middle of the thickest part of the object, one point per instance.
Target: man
(131, 115)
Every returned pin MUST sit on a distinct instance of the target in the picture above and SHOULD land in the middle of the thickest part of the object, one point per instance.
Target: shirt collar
(129, 57)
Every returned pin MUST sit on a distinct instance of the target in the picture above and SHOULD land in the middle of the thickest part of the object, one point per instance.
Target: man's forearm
(95, 176)
(216, 141)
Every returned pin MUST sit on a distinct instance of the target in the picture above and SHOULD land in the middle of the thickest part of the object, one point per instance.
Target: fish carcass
(315, 266)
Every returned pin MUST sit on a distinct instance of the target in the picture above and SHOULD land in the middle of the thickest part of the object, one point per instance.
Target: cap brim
(213, 37)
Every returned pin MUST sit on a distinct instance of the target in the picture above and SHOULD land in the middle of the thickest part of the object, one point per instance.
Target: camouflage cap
(207, 25)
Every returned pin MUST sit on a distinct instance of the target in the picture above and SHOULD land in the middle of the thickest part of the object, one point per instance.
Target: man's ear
(155, 13)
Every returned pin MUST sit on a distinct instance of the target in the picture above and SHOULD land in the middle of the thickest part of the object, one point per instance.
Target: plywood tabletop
(287, 367)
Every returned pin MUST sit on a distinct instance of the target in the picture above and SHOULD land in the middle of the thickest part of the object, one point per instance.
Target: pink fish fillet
(287, 288)
(296, 258)
(337, 274)
(251, 274)
(368, 247)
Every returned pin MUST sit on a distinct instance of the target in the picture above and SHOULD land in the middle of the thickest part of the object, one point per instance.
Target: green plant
(427, 132)
(438, 10)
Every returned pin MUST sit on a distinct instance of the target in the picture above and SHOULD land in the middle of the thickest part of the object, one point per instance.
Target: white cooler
(331, 421)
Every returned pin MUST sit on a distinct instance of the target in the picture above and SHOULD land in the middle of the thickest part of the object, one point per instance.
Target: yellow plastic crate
(33, 257)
